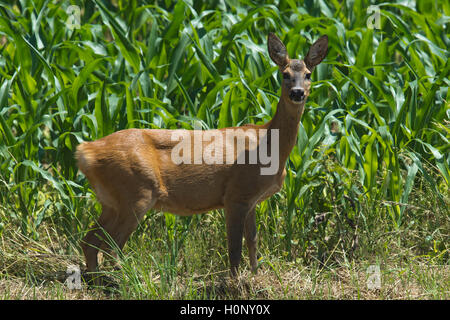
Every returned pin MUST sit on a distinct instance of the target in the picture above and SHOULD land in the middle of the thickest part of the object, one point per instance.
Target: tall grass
(375, 134)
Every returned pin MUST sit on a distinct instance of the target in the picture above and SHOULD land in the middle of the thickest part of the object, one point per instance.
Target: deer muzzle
(297, 94)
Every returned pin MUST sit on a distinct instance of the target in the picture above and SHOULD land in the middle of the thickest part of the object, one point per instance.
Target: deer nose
(297, 94)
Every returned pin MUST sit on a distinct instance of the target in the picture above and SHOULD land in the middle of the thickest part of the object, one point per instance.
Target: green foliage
(376, 124)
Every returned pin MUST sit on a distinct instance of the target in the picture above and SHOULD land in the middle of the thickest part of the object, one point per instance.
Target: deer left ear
(317, 52)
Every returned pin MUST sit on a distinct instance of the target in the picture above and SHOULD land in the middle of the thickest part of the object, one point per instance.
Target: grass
(154, 266)
(367, 181)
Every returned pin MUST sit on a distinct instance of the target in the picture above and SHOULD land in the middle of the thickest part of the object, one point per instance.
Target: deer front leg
(251, 238)
(235, 214)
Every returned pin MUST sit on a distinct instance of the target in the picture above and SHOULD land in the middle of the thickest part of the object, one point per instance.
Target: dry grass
(421, 282)
(27, 273)
(411, 265)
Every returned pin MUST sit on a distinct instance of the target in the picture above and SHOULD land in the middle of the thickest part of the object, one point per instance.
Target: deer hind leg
(235, 214)
(114, 228)
(130, 215)
(251, 238)
(94, 239)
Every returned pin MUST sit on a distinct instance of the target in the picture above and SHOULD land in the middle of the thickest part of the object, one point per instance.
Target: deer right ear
(316, 53)
(277, 50)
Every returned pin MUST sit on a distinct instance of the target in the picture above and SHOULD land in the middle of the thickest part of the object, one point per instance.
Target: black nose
(297, 94)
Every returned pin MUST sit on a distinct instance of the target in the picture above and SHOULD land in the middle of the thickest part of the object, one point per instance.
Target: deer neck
(287, 121)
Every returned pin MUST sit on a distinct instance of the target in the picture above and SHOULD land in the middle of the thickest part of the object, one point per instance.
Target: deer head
(296, 73)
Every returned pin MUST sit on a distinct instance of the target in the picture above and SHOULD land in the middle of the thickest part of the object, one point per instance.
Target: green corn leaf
(128, 50)
(81, 80)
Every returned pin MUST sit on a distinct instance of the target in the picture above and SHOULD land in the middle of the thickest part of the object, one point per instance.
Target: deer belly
(192, 190)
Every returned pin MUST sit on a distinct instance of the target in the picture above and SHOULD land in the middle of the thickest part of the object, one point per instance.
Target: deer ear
(277, 50)
(317, 52)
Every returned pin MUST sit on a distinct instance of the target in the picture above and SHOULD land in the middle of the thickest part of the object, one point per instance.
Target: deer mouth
(297, 96)
(298, 100)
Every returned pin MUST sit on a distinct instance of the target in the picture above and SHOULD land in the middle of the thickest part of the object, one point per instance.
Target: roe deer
(133, 170)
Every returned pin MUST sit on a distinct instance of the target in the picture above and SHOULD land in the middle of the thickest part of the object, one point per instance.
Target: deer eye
(308, 76)
(286, 75)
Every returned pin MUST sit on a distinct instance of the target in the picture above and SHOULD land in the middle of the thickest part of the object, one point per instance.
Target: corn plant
(376, 123)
